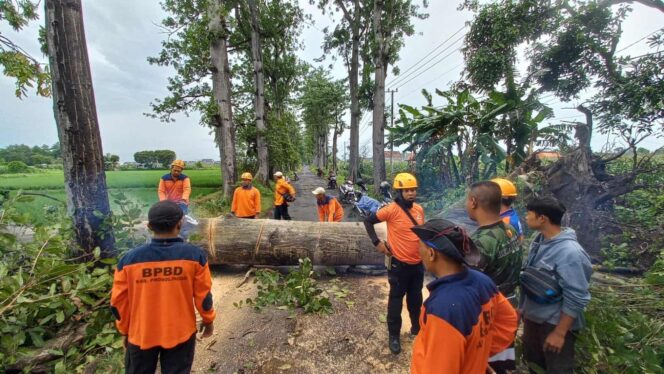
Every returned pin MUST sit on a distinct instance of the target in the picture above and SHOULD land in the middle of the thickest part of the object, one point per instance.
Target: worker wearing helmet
(405, 272)
(175, 186)
(283, 193)
(507, 212)
(246, 199)
(329, 209)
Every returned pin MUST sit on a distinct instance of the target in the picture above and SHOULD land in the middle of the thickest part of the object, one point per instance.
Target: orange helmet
(246, 176)
(507, 188)
(178, 163)
(404, 181)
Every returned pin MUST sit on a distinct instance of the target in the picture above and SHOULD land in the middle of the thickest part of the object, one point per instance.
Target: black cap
(450, 239)
(164, 215)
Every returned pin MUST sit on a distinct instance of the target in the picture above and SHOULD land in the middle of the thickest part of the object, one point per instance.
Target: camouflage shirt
(501, 255)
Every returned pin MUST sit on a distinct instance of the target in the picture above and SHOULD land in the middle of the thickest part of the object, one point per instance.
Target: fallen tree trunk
(272, 242)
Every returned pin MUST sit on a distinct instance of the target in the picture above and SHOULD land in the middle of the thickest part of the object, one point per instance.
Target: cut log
(272, 242)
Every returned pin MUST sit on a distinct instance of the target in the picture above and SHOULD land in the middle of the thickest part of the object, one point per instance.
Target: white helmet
(278, 174)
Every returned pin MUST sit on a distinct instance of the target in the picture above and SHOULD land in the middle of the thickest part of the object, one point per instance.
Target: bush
(17, 167)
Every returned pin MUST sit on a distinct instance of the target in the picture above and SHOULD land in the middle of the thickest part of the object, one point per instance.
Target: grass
(54, 179)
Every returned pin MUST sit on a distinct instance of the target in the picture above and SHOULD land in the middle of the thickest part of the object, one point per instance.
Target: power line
(427, 69)
(432, 80)
(633, 44)
(427, 55)
(399, 81)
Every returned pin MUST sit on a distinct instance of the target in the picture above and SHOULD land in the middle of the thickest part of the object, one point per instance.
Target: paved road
(304, 208)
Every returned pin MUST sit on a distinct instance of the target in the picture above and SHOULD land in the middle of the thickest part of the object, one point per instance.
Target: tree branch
(656, 4)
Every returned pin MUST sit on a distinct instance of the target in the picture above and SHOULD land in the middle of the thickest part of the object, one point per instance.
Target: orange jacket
(246, 202)
(155, 289)
(404, 244)
(174, 190)
(281, 188)
(464, 321)
(330, 210)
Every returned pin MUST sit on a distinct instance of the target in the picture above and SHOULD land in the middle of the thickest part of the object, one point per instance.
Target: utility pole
(391, 127)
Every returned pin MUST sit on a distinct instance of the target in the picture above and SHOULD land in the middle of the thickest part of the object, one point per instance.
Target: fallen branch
(36, 358)
(246, 278)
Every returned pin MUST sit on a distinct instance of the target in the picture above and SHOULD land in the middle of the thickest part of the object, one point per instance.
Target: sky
(121, 35)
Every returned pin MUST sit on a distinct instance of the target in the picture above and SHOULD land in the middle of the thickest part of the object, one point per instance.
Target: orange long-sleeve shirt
(281, 188)
(246, 202)
(155, 289)
(463, 321)
(404, 244)
(330, 210)
(176, 190)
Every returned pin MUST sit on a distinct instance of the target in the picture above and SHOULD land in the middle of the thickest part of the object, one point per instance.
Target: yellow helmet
(507, 188)
(246, 176)
(178, 163)
(404, 181)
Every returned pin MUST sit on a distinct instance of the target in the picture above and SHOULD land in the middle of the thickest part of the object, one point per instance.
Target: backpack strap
(408, 214)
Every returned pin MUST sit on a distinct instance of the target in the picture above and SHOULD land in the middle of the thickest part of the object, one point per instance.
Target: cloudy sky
(121, 34)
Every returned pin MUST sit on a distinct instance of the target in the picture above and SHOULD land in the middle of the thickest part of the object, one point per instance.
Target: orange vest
(403, 242)
(330, 212)
(246, 202)
(281, 188)
(155, 290)
(174, 190)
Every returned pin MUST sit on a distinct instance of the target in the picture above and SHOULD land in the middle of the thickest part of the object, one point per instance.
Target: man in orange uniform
(155, 289)
(176, 186)
(246, 199)
(282, 192)
(329, 209)
(405, 272)
(465, 319)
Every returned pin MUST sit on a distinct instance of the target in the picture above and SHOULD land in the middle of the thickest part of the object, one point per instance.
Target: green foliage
(655, 276)
(45, 295)
(17, 167)
(18, 64)
(158, 158)
(625, 330)
(31, 155)
(298, 289)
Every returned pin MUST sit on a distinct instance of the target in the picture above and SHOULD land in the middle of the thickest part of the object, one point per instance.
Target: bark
(37, 359)
(259, 103)
(335, 137)
(379, 172)
(221, 88)
(354, 155)
(78, 127)
(271, 242)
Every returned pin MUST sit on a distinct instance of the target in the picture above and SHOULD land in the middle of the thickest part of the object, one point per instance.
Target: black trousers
(176, 360)
(534, 335)
(405, 280)
(281, 212)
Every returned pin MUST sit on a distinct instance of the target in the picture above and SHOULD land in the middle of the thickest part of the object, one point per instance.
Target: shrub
(17, 167)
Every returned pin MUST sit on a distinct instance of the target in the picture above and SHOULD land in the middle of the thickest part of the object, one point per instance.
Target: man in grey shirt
(549, 327)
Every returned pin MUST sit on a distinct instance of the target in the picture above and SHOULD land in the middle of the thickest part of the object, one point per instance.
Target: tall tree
(78, 128)
(221, 88)
(391, 21)
(259, 101)
(348, 38)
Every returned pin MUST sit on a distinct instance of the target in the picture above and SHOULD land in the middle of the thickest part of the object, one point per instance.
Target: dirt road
(351, 340)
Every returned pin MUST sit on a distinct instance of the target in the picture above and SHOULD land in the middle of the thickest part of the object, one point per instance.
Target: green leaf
(59, 316)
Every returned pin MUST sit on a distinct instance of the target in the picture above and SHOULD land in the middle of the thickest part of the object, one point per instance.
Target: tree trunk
(221, 88)
(259, 103)
(334, 147)
(271, 242)
(379, 172)
(354, 158)
(78, 128)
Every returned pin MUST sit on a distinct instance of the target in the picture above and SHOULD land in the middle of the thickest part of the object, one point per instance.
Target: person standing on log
(552, 320)
(501, 252)
(246, 199)
(507, 212)
(465, 318)
(329, 209)
(175, 186)
(283, 194)
(405, 273)
(155, 289)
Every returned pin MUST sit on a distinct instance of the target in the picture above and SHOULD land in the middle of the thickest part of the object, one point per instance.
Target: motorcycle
(347, 193)
(385, 193)
(332, 183)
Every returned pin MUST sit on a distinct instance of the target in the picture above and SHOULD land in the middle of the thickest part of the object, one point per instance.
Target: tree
(164, 157)
(391, 22)
(347, 38)
(78, 127)
(111, 161)
(144, 157)
(575, 51)
(17, 63)
(262, 174)
(17, 167)
(221, 88)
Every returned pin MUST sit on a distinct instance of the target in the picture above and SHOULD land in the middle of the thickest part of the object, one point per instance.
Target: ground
(351, 340)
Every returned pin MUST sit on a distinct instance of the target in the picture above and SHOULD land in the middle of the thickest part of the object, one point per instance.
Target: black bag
(288, 197)
(541, 285)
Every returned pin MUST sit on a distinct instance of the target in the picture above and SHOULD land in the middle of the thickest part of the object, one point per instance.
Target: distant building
(548, 156)
(395, 155)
